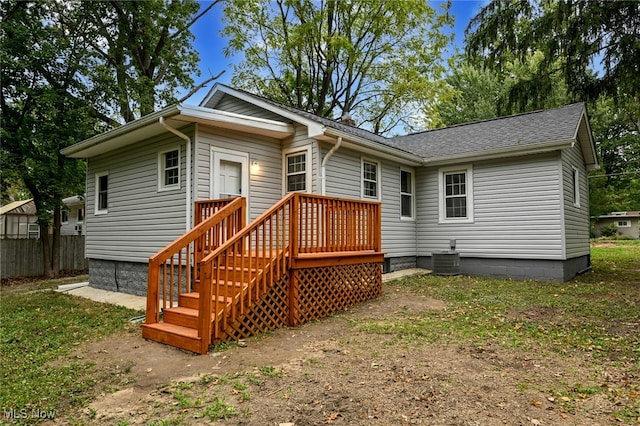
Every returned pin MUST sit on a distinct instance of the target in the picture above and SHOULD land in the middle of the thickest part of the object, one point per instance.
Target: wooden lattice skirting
(307, 294)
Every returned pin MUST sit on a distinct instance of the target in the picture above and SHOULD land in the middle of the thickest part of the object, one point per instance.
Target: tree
(481, 93)
(41, 113)
(71, 69)
(376, 60)
(599, 41)
(142, 53)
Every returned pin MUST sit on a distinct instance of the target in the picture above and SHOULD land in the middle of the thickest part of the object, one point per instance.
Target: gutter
(188, 172)
(323, 168)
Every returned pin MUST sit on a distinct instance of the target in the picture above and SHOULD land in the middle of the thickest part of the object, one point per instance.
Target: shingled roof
(515, 131)
(504, 134)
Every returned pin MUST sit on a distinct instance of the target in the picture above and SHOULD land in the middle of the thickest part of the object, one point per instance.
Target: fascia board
(82, 149)
(233, 121)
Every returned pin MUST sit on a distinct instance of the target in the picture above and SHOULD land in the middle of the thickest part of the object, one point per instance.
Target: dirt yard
(328, 373)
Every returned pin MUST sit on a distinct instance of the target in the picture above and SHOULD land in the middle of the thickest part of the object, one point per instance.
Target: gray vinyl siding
(576, 219)
(517, 211)
(344, 179)
(265, 187)
(140, 219)
(238, 106)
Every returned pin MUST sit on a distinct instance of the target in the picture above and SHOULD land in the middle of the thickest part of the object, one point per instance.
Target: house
(622, 223)
(511, 192)
(72, 221)
(18, 219)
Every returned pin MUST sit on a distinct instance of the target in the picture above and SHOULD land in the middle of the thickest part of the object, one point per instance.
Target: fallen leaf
(536, 403)
(565, 399)
(149, 370)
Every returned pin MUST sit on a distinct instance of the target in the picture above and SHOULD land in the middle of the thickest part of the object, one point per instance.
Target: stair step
(182, 316)
(174, 335)
(192, 300)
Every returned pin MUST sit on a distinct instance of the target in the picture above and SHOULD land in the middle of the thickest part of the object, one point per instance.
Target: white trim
(78, 210)
(62, 212)
(442, 216)
(97, 211)
(378, 196)
(575, 177)
(412, 194)
(292, 151)
(162, 186)
(623, 224)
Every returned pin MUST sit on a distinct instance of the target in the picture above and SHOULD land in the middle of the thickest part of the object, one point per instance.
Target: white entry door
(229, 174)
(230, 179)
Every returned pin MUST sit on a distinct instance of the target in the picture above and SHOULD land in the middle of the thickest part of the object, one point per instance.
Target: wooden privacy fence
(23, 257)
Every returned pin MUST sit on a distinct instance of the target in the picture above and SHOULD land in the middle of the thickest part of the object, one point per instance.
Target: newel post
(152, 294)
(204, 314)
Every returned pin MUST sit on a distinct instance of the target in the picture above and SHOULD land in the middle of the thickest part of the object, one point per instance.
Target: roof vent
(348, 120)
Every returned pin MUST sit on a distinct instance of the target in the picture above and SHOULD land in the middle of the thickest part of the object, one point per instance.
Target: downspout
(325, 160)
(188, 161)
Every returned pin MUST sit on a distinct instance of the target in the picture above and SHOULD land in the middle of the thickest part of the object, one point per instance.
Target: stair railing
(262, 252)
(259, 254)
(174, 269)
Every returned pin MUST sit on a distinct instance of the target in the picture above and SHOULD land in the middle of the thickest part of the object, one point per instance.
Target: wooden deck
(304, 258)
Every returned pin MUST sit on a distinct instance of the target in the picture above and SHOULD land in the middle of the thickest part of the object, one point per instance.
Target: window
(296, 171)
(169, 170)
(576, 187)
(102, 191)
(623, 224)
(370, 179)
(456, 194)
(80, 216)
(406, 194)
(64, 216)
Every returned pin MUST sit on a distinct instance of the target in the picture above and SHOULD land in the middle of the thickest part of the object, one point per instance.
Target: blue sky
(210, 44)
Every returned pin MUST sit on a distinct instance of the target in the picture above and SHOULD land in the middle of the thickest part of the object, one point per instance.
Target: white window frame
(623, 224)
(378, 196)
(412, 194)
(442, 211)
(98, 210)
(62, 216)
(575, 176)
(162, 186)
(307, 168)
(80, 209)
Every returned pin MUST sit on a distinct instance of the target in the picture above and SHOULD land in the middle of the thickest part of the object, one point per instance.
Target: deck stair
(223, 279)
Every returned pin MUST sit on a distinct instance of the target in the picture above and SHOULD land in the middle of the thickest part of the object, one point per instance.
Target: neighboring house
(625, 223)
(512, 191)
(18, 219)
(73, 216)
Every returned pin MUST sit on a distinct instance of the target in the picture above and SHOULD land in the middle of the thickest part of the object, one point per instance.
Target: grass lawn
(597, 314)
(38, 329)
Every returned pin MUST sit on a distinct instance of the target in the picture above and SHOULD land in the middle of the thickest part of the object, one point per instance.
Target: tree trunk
(46, 250)
(55, 247)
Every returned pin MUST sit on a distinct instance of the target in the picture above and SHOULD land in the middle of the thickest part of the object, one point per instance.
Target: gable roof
(532, 132)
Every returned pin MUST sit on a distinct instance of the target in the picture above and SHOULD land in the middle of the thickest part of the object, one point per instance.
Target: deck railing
(261, 252)
(174, 269)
